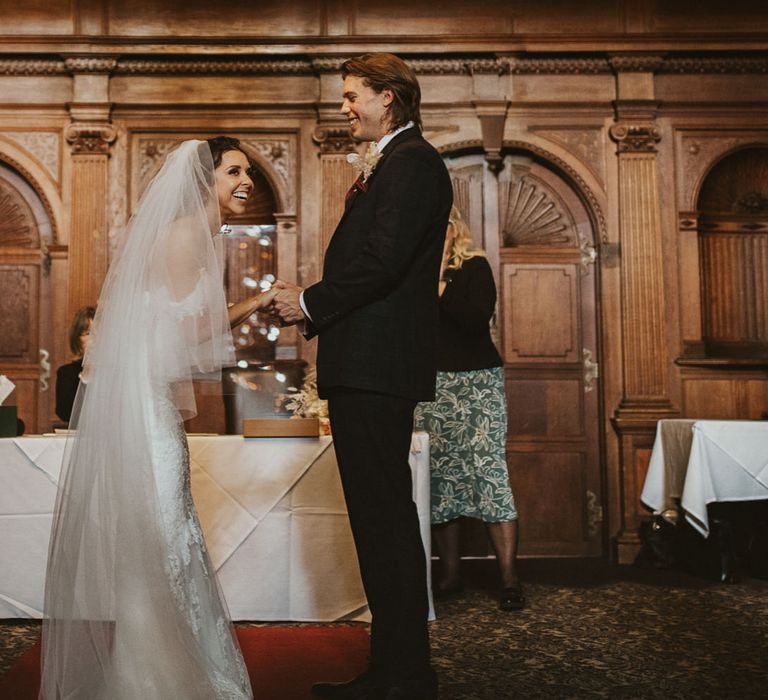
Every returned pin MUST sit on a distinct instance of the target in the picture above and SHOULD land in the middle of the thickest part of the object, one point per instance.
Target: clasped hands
(285, 307)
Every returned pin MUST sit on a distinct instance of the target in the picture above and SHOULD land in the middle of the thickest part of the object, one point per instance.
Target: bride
(132, 607)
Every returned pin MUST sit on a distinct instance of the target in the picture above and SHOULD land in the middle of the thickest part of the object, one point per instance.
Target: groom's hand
(286, 303)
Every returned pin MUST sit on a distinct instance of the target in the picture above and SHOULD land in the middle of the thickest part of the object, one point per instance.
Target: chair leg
(722, 529)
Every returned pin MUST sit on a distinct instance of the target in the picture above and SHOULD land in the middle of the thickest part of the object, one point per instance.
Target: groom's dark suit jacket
(376, 308)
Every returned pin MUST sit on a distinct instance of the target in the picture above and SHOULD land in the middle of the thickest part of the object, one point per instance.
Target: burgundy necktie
(357, 185)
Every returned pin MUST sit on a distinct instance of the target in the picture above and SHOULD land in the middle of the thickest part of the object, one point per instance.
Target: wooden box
(281, 427)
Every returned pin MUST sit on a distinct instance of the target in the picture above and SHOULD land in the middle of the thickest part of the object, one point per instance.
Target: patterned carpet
(591, 630)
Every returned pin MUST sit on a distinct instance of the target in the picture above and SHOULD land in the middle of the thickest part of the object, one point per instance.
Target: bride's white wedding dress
(133, 609)
(189, 569)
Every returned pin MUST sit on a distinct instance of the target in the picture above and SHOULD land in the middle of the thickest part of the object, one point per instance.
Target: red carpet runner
(283, 662)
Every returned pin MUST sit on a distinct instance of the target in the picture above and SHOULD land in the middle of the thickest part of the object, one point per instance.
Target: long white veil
(161, 321)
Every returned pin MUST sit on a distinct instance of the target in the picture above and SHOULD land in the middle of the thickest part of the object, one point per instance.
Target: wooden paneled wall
(580, 138)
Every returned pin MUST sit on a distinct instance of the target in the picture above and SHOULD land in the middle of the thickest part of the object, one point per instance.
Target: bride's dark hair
(219, 145)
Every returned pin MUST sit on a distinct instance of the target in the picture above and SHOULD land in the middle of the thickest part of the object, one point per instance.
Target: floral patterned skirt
(467, 426)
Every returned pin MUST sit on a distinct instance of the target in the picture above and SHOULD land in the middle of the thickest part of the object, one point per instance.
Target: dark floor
(590, 630)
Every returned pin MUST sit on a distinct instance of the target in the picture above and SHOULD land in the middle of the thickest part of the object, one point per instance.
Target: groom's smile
(366, 110)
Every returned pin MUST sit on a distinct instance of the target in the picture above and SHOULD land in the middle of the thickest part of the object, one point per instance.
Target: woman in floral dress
(467, 422)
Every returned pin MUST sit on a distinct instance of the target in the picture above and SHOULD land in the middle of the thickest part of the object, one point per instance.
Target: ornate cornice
(489, 66)
(715, 65)
(327, 64)
(635, 138)
(628, 63)
(558, 66)
(334, 140)
(90, 64)
(440, 66)
(453, 65)
(38, 66)
(90, 138)
(215, 67)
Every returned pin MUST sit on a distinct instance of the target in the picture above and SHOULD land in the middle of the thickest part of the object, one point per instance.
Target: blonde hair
(462, 248)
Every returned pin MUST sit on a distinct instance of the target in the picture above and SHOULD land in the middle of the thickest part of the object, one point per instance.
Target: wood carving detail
(15, 287)
(17, 222)
(151, 154)
(574, 175)
(214, 66)
(699, 151)
(531, 215)
(278, 153)
(587, 144)
(90, 138)
(540, 65)
(636, 138)
(334, 140)
(43, 145)
(90, 64)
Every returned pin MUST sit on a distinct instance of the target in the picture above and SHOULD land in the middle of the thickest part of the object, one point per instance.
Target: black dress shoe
(511, 598)
(454, 591)
(362, 687)
(423, 687)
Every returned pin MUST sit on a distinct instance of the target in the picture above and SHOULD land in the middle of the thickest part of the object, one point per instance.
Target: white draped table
(706, 461)
(272, 511)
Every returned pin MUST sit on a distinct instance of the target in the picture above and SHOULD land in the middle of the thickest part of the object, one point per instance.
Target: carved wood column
(337, 176)
(90, 135)
(645, 361)
(642, 273)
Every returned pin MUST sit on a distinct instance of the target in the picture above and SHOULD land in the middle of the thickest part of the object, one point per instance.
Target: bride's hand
(265, 300)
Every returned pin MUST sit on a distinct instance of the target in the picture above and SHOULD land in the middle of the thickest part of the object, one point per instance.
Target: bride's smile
(233, 184)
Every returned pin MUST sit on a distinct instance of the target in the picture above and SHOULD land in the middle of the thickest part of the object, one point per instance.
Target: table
(272, 511)
(706, 461)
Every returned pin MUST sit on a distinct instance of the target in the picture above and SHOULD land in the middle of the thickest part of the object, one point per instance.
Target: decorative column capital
(334, 139)
(636, 138)
(90, 138)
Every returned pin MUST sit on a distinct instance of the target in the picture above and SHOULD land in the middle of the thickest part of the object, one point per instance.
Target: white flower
(306, 403)
(366, 163)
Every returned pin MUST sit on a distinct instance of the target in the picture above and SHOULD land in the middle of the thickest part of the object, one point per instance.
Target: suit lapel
(388, 149)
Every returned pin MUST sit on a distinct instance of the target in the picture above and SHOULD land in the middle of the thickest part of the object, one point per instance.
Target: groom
(375, 314)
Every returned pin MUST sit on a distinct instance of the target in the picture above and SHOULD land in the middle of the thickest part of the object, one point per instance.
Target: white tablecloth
(272, 511)
(727, 461)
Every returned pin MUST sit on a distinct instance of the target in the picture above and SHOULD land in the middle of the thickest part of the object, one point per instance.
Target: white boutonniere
(366, 163)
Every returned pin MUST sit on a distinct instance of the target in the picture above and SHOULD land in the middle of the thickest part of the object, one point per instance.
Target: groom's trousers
(372, 437)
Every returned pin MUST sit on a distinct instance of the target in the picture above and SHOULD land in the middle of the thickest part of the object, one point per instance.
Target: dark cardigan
(466, 308)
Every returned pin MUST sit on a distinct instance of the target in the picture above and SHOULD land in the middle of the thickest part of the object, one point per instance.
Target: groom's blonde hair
(385, 71)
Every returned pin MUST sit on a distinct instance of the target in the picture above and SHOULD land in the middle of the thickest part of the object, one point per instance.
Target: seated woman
(68, 376)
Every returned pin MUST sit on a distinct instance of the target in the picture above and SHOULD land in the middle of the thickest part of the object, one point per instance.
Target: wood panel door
(22, 287)
(548, 325)
(539, 240)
